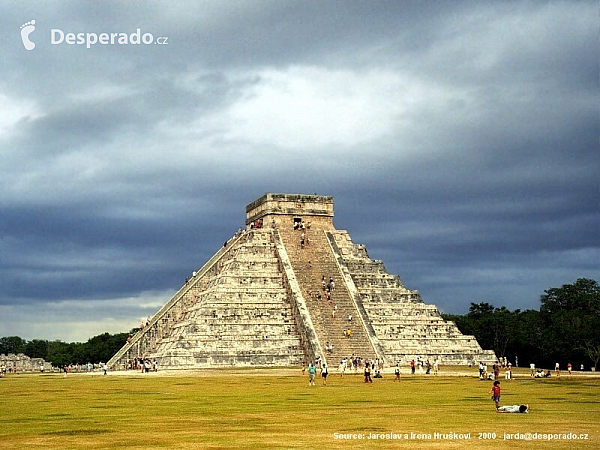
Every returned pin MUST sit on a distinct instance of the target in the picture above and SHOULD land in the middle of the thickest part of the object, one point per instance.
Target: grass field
(277, 409)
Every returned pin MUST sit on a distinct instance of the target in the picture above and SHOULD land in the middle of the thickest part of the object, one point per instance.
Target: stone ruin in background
(23, 363)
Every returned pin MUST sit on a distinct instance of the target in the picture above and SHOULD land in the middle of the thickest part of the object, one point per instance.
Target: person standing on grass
(495, 391)
(324, 374)
(312, 370)
(397, 372)
(368, 373)
(496, 368)
(508, 372)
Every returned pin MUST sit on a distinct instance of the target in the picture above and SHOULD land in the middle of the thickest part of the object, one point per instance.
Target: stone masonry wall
(406, 327)
(240, 316)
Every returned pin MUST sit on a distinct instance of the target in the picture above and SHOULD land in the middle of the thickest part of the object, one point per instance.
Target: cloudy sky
(460, 141)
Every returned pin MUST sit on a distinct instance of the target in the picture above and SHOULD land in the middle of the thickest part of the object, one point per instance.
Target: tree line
(566, 329)
(97, 349)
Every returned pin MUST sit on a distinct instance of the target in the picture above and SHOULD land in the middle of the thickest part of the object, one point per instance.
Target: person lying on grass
(513, 409)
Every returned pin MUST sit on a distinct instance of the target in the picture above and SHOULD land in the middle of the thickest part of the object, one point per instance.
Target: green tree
(571, 322)
(36, 348)
(527, 337)
(60, 353)
(481, 316)
(503, 327)
(102, 347)
(594, 354)
(12, 344)
(508, 333)
(97, 349)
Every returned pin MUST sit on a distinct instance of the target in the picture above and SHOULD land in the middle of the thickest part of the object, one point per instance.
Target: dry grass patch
(273, 409)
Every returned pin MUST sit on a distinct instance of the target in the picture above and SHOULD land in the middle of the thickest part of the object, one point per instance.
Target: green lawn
(277, 409)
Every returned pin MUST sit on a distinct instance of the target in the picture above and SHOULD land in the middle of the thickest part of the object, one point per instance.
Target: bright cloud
(14, 110)
(316, 107)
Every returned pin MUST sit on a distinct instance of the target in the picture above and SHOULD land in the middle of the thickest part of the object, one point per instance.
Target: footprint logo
(26, 30)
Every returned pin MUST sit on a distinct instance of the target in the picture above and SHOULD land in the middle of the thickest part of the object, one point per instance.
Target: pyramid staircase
(311, 263)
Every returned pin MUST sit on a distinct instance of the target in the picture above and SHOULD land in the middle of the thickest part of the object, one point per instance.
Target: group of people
(375, 366)
(327, 288)
(355, 362)
(495, 374)
(424, 366)
(312, 372)
(303, 227)
(495, 389)
(539, 373)
(256, 224)
(10, 369)
(145, 365)
(371, 368)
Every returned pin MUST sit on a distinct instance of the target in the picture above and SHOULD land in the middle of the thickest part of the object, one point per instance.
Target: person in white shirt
(513, 409)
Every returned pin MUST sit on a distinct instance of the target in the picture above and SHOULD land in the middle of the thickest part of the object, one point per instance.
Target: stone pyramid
(291, 288)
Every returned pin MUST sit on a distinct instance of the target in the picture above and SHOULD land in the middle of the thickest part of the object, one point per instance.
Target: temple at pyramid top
(289, 289)
(271, 207)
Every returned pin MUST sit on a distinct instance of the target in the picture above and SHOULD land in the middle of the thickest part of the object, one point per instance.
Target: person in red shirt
(495, 391)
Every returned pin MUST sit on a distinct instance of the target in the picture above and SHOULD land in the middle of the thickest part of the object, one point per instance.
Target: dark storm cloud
(459, 139)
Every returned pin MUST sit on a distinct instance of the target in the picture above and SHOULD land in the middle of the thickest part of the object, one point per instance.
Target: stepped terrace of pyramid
(290, 288)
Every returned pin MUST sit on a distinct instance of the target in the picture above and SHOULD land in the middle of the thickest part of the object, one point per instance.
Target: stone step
(310, 264)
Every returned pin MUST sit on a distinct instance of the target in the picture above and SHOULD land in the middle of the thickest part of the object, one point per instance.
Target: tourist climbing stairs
(333, 312)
